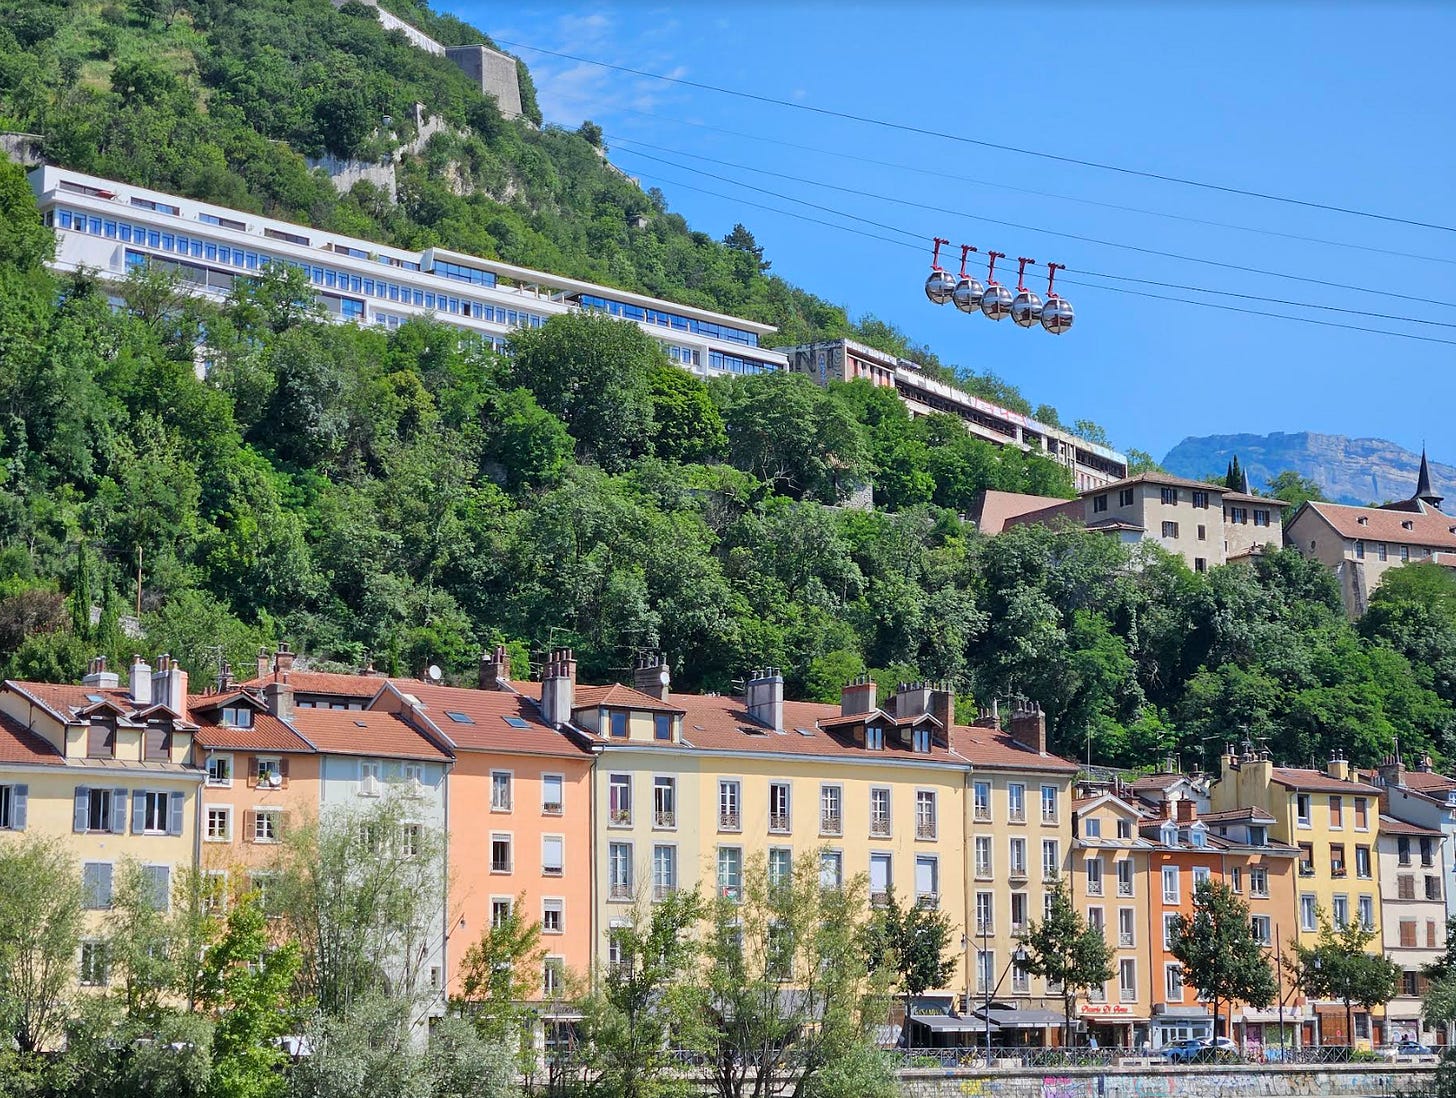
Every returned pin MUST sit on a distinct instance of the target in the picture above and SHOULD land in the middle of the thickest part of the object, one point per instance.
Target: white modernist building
(109, 227)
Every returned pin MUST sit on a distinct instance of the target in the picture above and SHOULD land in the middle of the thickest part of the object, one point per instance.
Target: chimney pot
(263, 663)
(653, 676)
(858, 696)
(1028, 728)
(764, 698)
(495, 668)
(558, 685)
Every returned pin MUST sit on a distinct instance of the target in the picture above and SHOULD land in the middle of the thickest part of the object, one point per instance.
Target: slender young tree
(1064, 950)
(1220, 956)
(40, 930)
(1340, 966)
(499, 975)
(912, 943)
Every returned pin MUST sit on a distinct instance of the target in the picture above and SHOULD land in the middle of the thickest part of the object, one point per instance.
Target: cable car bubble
(996, 300)
(1026, 306)
(939, 284)
(967, 293)
(1057, 314)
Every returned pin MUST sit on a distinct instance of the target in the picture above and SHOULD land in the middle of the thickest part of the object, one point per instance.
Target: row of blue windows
(736, 364)
(323, 277)
(463, 274)
(684, 356)
(668, 320)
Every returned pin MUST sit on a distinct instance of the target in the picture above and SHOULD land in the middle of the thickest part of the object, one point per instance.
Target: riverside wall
(1311, 1081)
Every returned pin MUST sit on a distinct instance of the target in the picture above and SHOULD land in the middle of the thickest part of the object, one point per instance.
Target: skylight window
(459, 718)
(514, 722)
(95, 698)
(803, 732)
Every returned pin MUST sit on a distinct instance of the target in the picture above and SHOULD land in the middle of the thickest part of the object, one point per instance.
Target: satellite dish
(275, 778)
(664, 676)
(433, 673)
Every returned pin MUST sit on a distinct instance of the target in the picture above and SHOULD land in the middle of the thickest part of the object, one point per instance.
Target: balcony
(729, 821)
(662, 891)
(984, 928)
(831, 824)
(1051, 873)
(1096, 995)
(778, 823)
(1017, 815)
(1124, 888)
(983, 871)
(619, 890)
(983, 813)
(1125, 941)
(880, 827)
(879, 899)
(1094, 888)
(731, 893)
(551, 871)
(621, 817)
(1337, 871)
(925, 829)
(928, 900)
(501, 804)
(551, 808)
(1306, 870)
(1018, 872)
(664, 818)
(1127, 995)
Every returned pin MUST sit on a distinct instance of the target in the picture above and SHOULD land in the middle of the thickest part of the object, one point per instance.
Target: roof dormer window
(1169, 834)
(1197, 836)
(1407, 524)
(874, 738)
(237, 716)
(1363, 520)
(920, 741)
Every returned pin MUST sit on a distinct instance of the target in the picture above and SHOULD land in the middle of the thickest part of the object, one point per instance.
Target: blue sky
(1338, 104)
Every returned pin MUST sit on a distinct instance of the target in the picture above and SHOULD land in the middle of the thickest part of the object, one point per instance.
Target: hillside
(1349, 470)
(397, 497)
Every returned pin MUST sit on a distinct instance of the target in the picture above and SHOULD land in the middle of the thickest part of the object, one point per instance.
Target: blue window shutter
(83, 801)
(138, 811)
(103, 889)
(174, 818)
(19, 806)
(118, 811)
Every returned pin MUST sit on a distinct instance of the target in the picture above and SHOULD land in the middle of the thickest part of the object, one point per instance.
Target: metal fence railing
(1010, 1057)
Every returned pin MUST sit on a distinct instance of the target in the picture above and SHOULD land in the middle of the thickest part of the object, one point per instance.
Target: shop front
(1268, 1034)
(1172, 1024)
(1022, 1027)
(1114, 1025)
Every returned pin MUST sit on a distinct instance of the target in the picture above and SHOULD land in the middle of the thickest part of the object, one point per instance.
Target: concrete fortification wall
(1314, 1081)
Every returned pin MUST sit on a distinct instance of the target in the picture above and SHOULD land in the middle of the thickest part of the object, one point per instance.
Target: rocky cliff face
(1350, 470)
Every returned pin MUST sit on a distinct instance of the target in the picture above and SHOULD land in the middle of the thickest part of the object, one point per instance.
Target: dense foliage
(405, 499)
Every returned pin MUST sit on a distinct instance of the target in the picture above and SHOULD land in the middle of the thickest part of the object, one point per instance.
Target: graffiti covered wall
(1344, 1081)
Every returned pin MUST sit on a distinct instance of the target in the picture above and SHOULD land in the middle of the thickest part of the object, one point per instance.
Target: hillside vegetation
(403, 499)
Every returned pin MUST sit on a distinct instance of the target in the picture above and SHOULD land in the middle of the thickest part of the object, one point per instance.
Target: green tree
(499, 975)
(1064, 950)
(629, 1019)
(1221, 958)
(686, 423)
(1340, 966)
(40, 928)
(1294, 490)
(913, 942)
(138, 939)
(1140, 461)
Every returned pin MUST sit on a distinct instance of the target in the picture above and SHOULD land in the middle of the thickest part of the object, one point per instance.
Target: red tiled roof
(986, 747)
(994, 508)
(1251, 813)
(19, 744)
(1391, 826)
(487, 711)
(1073, 510)
(1245, 497)
(1432, 528)
(623, 697)
(1155, 478)
(67, 699)
(1427, 781)
(325, 682)
(267, 734)
(1317, 781)
(363, 732)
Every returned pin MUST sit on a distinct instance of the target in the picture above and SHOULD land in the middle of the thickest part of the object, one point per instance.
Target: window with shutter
(96, 885)
(159, 886)
(19, 807)
(177, 814)
(118, 811)
(82, 809)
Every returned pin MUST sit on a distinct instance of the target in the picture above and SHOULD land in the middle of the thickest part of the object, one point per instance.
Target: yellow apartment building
(109, 770)
(1333, 820)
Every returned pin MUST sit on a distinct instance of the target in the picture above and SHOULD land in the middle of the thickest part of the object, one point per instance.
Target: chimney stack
(97, 675)
(652, 675)
(942, 705)
(278, 696)
(495, 667)
(1338, 767)
(224, 677)
(558, 683)
(1392, 772)
(858, 696)
(169, 686)
(1187, 810)
(264, 663)
(765, 697)
(141, 681)
(283, 658)
(1028, 726)
(912, 699)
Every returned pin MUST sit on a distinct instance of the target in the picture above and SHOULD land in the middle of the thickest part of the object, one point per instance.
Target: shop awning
(1292, 1017)
(1182, 1013)
(1021, 1017)
(952, 1023)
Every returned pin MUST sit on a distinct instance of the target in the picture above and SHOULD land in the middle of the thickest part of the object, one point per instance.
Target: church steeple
(1424, 492)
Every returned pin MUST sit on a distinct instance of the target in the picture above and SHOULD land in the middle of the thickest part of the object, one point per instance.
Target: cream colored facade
(1202, 523)
(1412, 865)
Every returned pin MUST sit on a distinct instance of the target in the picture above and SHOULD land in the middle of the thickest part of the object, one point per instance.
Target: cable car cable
(1041, 154)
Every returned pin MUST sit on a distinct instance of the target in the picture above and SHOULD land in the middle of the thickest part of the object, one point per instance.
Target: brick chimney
(1028, 726)
(558, 684)
(942, 705)
(1392, 772)
(264, 663)
(283, 658)
(278, 696)
(990, 718)
(169, 686)
(858, 696)
(652, 676)
(1187, 810)
(765, 697)
(97, 675)
(141, 681)
(495, 667)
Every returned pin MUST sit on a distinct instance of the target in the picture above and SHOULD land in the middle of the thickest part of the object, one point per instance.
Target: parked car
(1199, 1048)
(1404, 1048)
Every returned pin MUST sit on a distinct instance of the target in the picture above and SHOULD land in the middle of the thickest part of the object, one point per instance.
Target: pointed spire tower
(1424, 492)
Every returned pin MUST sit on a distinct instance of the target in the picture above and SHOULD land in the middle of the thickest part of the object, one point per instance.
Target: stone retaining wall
(1313, 1081)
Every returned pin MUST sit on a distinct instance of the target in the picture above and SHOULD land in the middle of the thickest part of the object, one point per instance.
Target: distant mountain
(1349, 470)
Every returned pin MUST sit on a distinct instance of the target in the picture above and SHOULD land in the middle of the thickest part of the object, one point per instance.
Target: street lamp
(1018, 956)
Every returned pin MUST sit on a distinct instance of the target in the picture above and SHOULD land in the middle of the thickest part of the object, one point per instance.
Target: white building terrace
(110, 227)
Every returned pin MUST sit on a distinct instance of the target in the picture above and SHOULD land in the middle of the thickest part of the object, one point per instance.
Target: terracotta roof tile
(992, 509)
(1432, 528)
(267, 734)
(363, 732)
(19, 744)
(486, 727)
(1427, 781)
(1154, 478)
(325, 682)
(1317, 781)
(624, 697)
(1251, 814)
(1246, 497)
(986, 747)
(1391, 826)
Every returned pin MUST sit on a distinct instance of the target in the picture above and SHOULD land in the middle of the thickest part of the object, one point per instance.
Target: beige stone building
(1205, 524)
(1361, 544)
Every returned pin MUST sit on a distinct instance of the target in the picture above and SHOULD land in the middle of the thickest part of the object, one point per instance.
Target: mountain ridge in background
(1349, 470)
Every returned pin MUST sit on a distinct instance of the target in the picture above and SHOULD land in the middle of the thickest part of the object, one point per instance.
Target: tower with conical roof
(1424, 492)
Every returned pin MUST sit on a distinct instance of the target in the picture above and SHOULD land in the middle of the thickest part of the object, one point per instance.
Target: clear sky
(1340, 104)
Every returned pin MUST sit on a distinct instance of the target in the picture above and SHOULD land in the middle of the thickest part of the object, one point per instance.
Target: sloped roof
(1392, 826)
(325, 682)
(267, 734)
(68, 701)
(1246, 497)
(485, 727)
(1428, 781)
(1155, 478)
(364, 732)
(1317, 781)
(1249, 814)
(1429, 527)
(986, 747)
(19, 744)
(620, 697)
(992, 509)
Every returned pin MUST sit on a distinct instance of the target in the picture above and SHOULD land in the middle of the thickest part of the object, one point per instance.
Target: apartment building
(109, 227)
(1361, 544)
(1090, 463)
(1412, 863)
(1333, 819)
(1205, 524)
(1421, 796)
(108, 769)
(1112, 884)
(519, 816)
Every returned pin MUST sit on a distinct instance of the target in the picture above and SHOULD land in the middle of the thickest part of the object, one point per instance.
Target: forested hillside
(395, 498)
